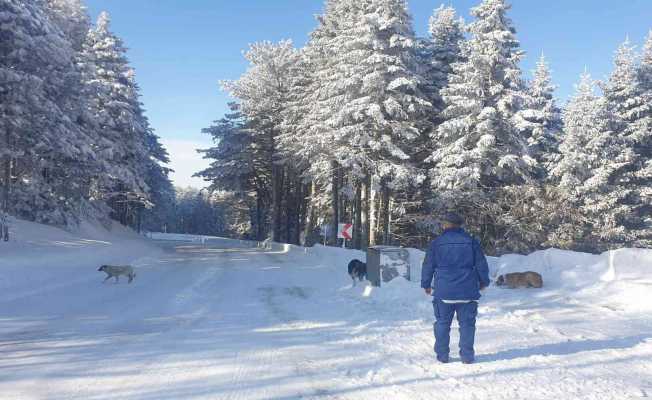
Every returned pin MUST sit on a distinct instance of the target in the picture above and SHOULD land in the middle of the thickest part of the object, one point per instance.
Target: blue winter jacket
(456, 262)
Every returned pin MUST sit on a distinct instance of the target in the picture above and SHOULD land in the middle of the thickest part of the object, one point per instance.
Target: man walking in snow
(459, 268)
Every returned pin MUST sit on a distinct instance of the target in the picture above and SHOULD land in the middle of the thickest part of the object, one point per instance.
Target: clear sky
(182, 48)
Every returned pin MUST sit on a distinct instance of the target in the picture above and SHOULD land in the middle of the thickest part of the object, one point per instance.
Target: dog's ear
(500, 280)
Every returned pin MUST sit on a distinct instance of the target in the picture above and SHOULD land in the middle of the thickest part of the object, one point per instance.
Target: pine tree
(539, 120)
(645, 69)
(72, 18)
(479, 146)
(382, 109)
(632, 124)
(592, 154)
(306, 137)
(585, 122)
(370, 110)
(644, 147)
(235, 165)
(71, 175)
(263, 94)
(37, 136)
(123, 137)
(479, 152)
(238, 169)
(441, 51)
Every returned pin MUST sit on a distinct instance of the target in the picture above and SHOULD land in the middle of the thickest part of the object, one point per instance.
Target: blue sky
(181, 49)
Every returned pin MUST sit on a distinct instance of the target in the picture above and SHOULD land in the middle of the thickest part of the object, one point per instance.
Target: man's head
(451, 220)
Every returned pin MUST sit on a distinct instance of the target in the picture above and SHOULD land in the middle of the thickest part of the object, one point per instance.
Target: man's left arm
(481, 265)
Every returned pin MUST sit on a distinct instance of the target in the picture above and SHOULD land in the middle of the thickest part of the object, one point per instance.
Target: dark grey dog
(357, 270)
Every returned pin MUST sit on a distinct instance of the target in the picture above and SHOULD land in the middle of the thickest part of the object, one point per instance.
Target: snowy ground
(223, 321)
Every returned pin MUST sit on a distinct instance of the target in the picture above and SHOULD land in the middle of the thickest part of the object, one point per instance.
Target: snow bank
(37, 254)
(222, 242)
(336, 255)
(619, 279)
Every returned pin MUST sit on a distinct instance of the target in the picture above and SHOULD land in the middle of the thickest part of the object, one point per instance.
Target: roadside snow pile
(399, 295)
(37, 254)
(620, 280)
(335, 256)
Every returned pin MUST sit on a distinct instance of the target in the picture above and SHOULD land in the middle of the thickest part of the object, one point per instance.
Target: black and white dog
(357, 270)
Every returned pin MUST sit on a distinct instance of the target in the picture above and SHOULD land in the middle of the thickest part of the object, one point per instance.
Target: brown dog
(515, 280)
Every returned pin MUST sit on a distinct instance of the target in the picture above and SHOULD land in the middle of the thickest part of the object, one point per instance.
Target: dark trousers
(466, 315)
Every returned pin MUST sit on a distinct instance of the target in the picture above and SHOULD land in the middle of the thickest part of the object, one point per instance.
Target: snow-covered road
(204, 322)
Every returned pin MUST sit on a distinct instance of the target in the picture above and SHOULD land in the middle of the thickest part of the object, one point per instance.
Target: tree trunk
(277, 199)
(336, 201)
(357, 223)
(7, 183)
(367, 211)
(139, 219)
(290, 198)
(259, 217)
(6, 169)
(386, 212)
(310, 217)
(299, 202)
(374, 217)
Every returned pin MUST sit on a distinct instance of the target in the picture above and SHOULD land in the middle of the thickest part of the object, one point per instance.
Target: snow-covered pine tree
(645, 68)
(479, 145)
(584, 120)
(123, 138)
(263, 95)
(383, 110)
(644, 146)
(36, 136)
(479, 149)
(295, 148)
(233, 163)
(162, 197)
(311, 138)
(539, 120)
(629, 184)
(157, 178)
(591, 155)
(439, 52)
(239, 167)
(71, 176)
(72, 18)
(370, 99)
(436, 55)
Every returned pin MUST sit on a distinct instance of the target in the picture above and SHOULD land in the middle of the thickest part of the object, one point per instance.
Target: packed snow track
(208, 321)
